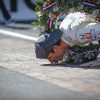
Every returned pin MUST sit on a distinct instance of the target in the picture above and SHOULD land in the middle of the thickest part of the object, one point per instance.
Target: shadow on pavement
(90, 66)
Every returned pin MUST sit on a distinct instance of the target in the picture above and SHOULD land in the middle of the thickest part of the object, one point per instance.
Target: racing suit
(78, 29)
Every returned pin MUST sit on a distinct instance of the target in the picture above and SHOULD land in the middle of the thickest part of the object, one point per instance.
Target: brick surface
(18, 55)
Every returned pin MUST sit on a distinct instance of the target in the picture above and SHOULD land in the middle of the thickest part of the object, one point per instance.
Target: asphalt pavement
(23, 77)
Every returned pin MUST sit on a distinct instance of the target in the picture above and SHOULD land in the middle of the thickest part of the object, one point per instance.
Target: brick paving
(18, 55)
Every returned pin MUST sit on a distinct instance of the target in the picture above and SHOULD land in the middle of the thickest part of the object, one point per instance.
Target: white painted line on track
(19, 35)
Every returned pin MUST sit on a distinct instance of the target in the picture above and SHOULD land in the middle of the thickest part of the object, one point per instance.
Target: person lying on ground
(76, 29)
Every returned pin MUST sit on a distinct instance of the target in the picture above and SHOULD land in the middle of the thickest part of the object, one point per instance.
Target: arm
(77, 28)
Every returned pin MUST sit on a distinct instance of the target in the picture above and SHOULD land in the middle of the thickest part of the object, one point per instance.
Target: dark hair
(57, 43)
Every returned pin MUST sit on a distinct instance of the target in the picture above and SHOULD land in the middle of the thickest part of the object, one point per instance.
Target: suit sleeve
(71, 25)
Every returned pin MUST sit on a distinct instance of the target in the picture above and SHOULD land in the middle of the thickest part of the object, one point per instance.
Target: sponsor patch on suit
(88, 35)
(82, 36)
(93, 34)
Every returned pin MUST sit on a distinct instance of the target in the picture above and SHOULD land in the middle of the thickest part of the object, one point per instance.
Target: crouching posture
(75, 29)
